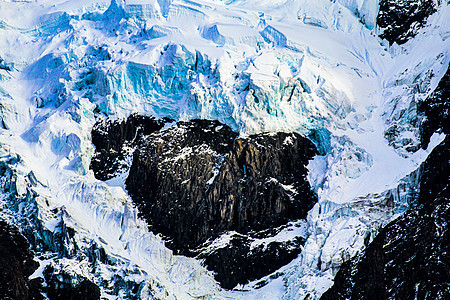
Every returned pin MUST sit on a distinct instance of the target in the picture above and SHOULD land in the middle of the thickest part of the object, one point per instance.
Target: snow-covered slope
(314, 67)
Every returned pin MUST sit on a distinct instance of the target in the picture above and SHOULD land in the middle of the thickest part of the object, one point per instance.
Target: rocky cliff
(16, 264)
(400, 20)
(198, 180)
(409, 259)
(114, 140)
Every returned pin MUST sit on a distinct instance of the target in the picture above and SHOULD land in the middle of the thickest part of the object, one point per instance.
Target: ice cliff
(336, 72)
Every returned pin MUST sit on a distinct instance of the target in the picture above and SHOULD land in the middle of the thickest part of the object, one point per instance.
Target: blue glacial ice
(314, 67)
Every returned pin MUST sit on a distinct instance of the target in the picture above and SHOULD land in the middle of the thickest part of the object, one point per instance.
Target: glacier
(314, 67)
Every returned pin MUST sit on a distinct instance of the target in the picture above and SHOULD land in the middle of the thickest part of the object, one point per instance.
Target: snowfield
(314, 67)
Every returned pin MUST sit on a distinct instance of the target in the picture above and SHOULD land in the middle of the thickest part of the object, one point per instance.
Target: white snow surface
(259, 66)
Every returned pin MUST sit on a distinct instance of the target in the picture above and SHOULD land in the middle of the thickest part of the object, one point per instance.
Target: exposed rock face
(16, 264)
(239, 262)
(62, 286)
(196, 180)
(436, 109)
(169, 175)
(400, 19)
(113, 140)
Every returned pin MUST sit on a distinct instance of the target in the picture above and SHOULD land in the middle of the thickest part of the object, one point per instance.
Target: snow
(39, 271)
(258, 66)
(292, 230)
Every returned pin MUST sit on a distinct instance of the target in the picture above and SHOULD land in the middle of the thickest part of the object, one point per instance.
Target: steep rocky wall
(436, 109)
(111, 139)
(196, 180)
(16, 264)
(399, 20)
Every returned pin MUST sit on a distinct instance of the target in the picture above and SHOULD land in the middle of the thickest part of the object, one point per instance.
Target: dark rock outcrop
(113, 141)
(197, 180)
(62, 286)
(436, 109)
(16, 264)
(238, 262)
(400, 19)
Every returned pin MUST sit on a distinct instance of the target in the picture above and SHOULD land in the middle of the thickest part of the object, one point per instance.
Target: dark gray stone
(114, 139)
(16, 264)
(197, 180)
(400, 19)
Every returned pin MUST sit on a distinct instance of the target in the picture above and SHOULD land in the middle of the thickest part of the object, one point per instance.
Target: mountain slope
(317, 69)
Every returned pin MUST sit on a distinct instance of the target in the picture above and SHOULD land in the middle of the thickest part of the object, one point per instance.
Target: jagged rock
(400, 19)
(436, 109)
(435, 172)
(196, 180)
(169, 175)
(407, 260)
(62, 286)
(113, 140)
(16, 264)
(237, 262)
(410, 257)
